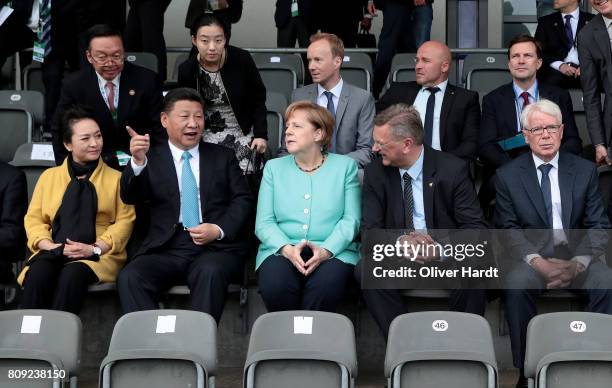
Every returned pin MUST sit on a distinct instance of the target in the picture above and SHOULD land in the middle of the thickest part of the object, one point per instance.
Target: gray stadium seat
(301, 349)
(280, 72)
(569, 349)
(21, 115)
(485, 72)
(32, 167)
(160, 349)
(402, 68)
(146, 60)
(440, 349)
(40, 339)
(357, 70)
(32, 77)
(182, 57)
(276, 104)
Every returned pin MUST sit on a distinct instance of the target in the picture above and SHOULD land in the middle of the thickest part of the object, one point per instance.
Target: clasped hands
(293, 254)
(73, 250)
(422, 247)
(557, 273)
(204, 233)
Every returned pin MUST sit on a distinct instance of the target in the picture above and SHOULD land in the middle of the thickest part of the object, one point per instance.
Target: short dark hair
(524, 38)
(209, 19)
(73, 115)
(101, 31)
(181, 94)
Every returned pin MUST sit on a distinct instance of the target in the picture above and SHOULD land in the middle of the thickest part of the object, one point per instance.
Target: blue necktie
(568, 32)
(190, 210)
(332, 110)
(429, 114)
(546, 194)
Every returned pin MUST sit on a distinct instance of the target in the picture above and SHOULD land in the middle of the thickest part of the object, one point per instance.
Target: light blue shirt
(420, 103)
(322, 98)
(416, 173)
(534, 95)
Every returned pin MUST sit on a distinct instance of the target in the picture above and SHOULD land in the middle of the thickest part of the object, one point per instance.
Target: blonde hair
(335, 43)
(316, 115)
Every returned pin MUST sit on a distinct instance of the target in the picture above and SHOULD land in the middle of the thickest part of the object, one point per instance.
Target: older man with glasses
(121, 95)
(549, 189)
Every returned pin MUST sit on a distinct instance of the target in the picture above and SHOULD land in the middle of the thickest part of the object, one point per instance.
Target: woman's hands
(293, 254)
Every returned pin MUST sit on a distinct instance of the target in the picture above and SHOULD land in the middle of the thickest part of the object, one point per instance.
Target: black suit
(230, 15)
(449, 202)
(345, 26)
(459, 116)
(13, 206)
(551, 35)
(168, 256)
(500, 121)
(596, 76)
(292, 28)
(520, 205)
(140, 103)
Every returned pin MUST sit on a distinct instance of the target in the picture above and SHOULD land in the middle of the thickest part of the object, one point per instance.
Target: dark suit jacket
(520, 205)
(230, 15)
(459, 116)
(282, 14)
(499, 121)
(551, 34)
(140, 103)
(224, 194)
(596, 76)
(13, 206)
(448, 195)
(244, 87)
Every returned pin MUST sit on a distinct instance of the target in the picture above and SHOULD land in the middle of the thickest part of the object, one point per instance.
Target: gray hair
(543, 106)
(404, 121)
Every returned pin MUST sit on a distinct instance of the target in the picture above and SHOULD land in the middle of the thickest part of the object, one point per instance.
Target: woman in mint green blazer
(308, 216)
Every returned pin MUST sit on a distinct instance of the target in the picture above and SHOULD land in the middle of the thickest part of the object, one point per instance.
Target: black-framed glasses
(549, 128)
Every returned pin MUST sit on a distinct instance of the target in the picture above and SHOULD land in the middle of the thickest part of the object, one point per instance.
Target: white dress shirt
(420, 103)
(102, 85)
(572, 55)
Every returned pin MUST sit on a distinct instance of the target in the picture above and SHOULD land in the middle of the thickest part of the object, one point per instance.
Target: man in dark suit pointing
(199, 201)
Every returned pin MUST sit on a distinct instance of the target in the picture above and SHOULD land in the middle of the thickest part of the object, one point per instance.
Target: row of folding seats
(173, 348)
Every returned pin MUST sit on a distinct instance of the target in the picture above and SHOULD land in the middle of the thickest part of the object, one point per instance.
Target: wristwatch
(97, 250)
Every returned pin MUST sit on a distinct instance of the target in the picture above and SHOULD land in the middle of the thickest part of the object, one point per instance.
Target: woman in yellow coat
(76, 223)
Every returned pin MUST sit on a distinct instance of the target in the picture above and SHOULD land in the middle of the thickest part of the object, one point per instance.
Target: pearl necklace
(312, 169)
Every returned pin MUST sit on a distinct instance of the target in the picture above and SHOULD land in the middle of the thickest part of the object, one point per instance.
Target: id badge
(38, 54)
(294, 8)
(122, 158)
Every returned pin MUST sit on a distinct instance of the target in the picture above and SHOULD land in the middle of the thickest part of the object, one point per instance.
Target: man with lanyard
(500, 139)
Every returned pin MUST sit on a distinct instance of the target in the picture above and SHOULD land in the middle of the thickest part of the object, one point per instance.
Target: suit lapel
(603, 40)
(313, 93)
(127, 92)
(342, 104)
(206, 168)
(447, 104)
(101, 104)
(169, 177)
(429, 186)
(396, 194)
(509, 104)
(529, 178)
(559, 24)
(566, 188)
(412, 91)
(581, 21)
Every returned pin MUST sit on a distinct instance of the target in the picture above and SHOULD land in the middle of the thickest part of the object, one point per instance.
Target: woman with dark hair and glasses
(77, 225)
(233, 92)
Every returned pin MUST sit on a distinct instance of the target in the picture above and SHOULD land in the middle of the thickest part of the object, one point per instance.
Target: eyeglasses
(381, 145)
(101, 59)
(537, 131)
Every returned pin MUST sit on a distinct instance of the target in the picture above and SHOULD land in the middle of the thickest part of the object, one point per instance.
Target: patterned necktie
(546, 193)
(110, 90)
(331, 108)
(408, 201)
(568, 32)
(526, 101)
(44, 35)
(429, 114)
(189, 194)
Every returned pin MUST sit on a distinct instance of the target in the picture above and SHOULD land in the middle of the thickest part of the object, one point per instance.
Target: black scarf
(76, 216)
